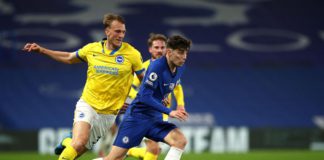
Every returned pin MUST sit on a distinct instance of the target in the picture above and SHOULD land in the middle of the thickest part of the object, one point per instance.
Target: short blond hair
(110, 17)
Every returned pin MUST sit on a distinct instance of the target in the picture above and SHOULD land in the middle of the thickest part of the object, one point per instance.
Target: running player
(111, 65)
(157, 48)
(143, 117)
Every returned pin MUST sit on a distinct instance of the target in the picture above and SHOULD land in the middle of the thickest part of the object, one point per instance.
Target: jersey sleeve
(137, 63)
(151, 82)
(178, 94)
(132, 93)
(147, 99)
(152, 77)
(82, 52)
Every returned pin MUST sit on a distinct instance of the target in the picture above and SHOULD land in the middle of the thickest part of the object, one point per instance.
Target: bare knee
(79, 143)
(180, 142)
(81, 133)
(152, 147)
(176, 139)
(116, 153)
(79, 146)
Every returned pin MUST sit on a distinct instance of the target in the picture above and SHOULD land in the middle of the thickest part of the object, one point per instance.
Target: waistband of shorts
(104, 111)
(113, 112)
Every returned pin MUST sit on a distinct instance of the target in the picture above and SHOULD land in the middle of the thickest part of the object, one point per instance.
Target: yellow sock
(69, 153)
(67, 141)
(137, 152)
(150, 156)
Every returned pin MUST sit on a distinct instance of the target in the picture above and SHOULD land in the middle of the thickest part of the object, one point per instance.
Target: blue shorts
(132, 130)
(119, 118)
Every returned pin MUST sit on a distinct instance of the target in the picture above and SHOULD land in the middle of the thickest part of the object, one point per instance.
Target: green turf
(253, 155)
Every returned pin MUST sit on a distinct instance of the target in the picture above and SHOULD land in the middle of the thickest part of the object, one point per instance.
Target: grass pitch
(252, 155)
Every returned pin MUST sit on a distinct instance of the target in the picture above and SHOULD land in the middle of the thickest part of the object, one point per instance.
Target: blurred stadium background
(254, 78)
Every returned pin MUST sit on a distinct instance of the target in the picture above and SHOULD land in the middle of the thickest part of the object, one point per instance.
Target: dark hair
(155, 36)
(178, 42)
(110, 17)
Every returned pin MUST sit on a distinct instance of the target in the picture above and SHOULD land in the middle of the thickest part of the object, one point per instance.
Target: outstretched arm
(61, 56)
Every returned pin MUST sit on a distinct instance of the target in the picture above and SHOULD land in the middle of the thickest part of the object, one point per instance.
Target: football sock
(69, 153)
(136, 152)
(174, 154)
(67, 141)
(150, 156)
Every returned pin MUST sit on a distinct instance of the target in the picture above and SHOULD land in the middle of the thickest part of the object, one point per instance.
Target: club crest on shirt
(120, 59)
(81, 115)
(125, 139)
(153, 76)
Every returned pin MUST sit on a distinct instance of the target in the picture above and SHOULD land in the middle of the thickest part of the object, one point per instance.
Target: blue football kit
(143, 117)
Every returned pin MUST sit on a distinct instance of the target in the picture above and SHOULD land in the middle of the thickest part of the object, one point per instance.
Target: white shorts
(100, 123)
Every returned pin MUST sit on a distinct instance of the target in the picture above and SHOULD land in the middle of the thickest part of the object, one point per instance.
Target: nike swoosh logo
(165, 84)
(64, 158)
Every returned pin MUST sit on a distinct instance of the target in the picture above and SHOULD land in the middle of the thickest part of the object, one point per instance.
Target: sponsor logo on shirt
(106, 70)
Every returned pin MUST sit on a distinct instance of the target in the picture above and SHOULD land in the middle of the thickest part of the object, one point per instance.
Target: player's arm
(61, 56)
(132, 93)
(147, 99)
(140, 76)
(137, 64)
(136, 83)
(179, 96)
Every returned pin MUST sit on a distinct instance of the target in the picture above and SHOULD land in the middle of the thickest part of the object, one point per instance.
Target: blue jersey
(157, 84)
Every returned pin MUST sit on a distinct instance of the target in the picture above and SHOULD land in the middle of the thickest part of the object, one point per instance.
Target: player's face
(115, 34)
(157, 49)
(178, 56)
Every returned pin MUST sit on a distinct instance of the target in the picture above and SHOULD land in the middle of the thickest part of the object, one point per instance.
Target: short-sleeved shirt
(109, 75)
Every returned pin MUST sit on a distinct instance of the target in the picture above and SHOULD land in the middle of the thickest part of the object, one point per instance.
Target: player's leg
(170, 134)
(177, 142)
(137, 152)
(116, 153)
(62, 145)
(80, 138)
(83, 116)
(107, 140)
(152, 150)
(131, 132)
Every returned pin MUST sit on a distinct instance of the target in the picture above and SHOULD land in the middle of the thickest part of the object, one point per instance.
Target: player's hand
(32, 47)
(123, 109)
(179, 114)
(166, 101)
(181, 108)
